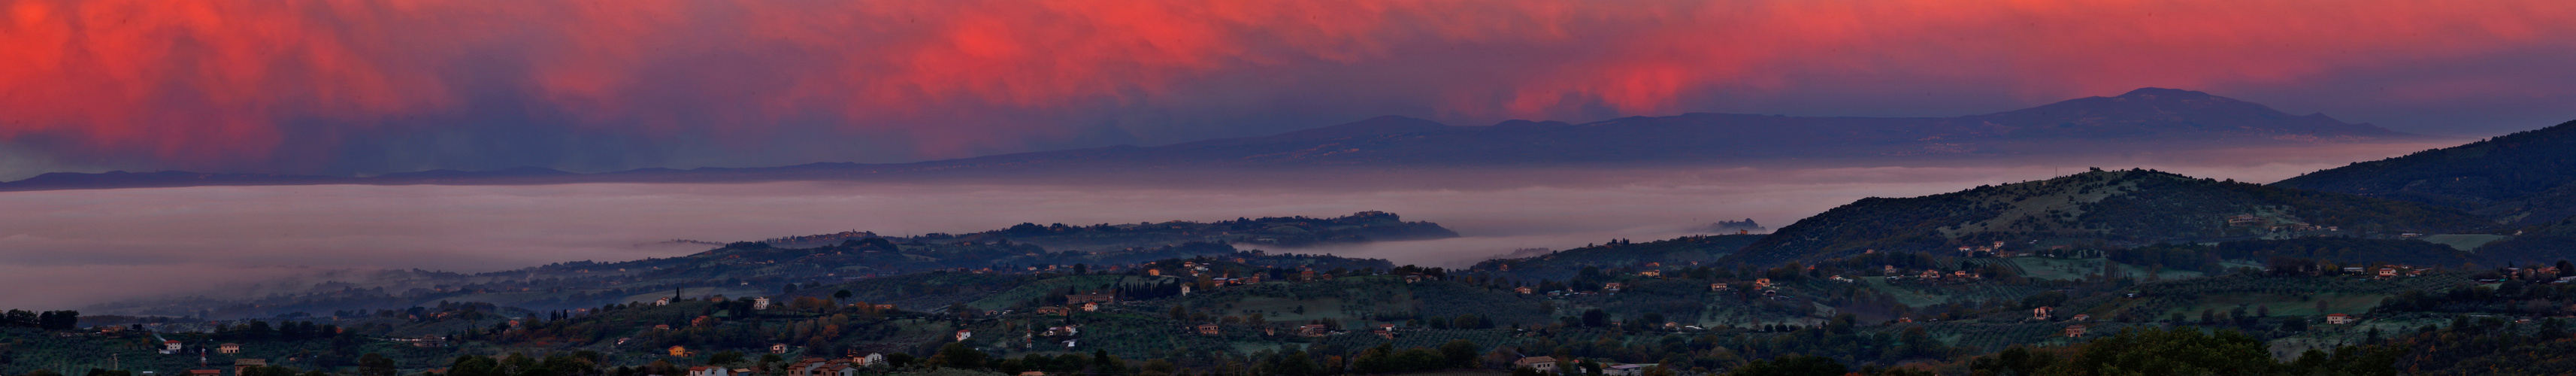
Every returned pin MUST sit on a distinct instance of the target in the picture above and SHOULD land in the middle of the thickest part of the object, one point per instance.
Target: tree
(1793, 365)
(471, 365)
(373, 364)
(1595, 318)
(958, 355)
(843, 295)
(268, 371)
(2176, 352)
(1159, 367)
(2049, 298)
(2017, 360)
(1459, 353)
(1297, 363)
(59, 320)
(725, 357)
(1102, 363)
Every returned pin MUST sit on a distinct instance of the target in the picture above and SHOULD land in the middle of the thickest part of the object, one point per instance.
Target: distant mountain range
(2140, 120)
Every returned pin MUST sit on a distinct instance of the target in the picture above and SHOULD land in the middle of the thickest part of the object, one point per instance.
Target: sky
(369, 87)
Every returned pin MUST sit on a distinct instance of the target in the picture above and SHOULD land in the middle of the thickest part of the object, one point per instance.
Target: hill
(2527, 177)
(751, 268)
(1300, 231)
(1687, 250)
(2128, 207)
(2537, 244)
(2149, 119)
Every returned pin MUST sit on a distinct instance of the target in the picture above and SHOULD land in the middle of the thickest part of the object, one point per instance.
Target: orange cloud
(210, 83)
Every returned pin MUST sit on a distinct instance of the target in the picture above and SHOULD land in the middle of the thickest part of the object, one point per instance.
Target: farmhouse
(1544, 365)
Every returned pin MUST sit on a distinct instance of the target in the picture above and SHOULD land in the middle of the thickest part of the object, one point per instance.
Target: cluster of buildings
(2272, 225)
(2395, 270)
(1548, 365)
(1996, 249)
(1929, 275)
(1760, 285)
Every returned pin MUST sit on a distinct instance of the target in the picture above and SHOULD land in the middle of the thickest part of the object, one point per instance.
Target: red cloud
(209, 83)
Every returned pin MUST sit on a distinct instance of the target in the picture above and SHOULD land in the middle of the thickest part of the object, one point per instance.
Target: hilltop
(2142, 120)
(744, 268)
(1266, 231)
(2123, 207)
(1621, 253)
(2527, 177)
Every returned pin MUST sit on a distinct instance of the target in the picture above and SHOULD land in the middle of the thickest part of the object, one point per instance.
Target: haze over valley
(227, 241)
(1287, 188)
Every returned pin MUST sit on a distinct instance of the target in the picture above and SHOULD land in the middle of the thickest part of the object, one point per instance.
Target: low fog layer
(96, 246)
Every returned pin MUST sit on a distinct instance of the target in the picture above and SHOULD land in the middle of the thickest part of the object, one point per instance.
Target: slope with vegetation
(757, 268)
(2132, 207)
(1298, 231)
(2527, 177)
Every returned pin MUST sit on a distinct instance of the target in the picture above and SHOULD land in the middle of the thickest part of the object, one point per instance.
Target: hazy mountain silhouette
(2149, 119)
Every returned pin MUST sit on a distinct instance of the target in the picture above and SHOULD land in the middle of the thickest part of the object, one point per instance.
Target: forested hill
(2143, 120)
(1677, 252)
(2527, 177)
(2124, 207)
(819, 258)
(1295, 231)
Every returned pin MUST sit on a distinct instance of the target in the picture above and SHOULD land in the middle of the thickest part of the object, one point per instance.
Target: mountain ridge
(2149, 119)
(2526, 177)
(2129, 207)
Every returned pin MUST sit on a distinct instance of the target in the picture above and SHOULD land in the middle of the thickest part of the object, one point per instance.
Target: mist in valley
(94, 246)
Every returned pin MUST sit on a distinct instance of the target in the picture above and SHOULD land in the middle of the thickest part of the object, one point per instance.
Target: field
(1033, 290)
(1286, 309)
(2327, 337)
(1923, 296)
(2284, 305)
(737, 292)
(2465, 242)
(2073, 269)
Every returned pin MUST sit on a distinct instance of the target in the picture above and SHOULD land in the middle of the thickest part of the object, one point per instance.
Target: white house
(760, 303)
(709, 371)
